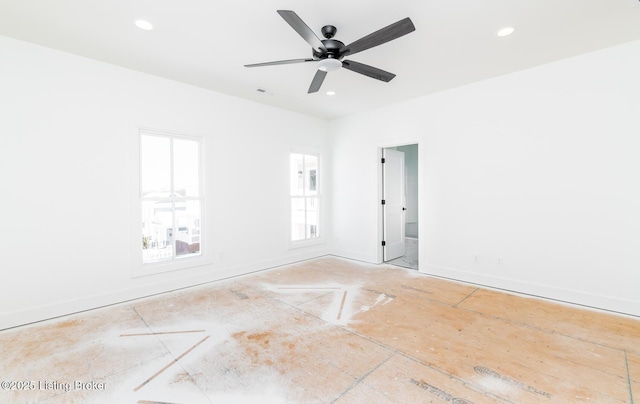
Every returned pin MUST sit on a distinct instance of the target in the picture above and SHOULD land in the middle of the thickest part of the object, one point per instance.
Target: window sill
(306, 243)
(169, 266)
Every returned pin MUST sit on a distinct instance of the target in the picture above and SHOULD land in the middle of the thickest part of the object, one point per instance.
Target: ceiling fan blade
(316, 83)
(281, 62)
(303, 30)
(367, 70)
(386, 34)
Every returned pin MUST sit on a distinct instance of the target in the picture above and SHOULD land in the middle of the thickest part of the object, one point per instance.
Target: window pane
(313, 217)
(311, 174)
(297, 174)
(155, 166)
(157, 231)
(298, 221)
(185, 167)
(312, 181)
(188, 219)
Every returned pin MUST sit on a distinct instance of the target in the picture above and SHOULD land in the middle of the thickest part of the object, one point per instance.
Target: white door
(394, 200)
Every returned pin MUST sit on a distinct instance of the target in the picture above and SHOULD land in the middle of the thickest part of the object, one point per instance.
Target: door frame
(380, 213)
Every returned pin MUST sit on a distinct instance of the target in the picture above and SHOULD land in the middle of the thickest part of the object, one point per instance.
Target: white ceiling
(206, 42)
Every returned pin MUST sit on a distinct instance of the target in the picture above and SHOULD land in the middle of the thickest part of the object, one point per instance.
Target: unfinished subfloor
(327, 330)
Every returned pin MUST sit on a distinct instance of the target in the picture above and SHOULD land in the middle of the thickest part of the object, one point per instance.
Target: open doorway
(400, 205)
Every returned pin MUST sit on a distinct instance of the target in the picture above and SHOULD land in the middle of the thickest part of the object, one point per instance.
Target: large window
(170, 197)
(305, 196)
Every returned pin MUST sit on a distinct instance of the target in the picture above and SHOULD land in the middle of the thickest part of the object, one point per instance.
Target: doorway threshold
(410, 259)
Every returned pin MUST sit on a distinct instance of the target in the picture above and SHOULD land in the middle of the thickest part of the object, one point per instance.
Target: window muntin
(170, 197)
(305, 196)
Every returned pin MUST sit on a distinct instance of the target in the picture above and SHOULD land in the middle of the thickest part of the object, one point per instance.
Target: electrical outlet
(500, 262)
(476, 259)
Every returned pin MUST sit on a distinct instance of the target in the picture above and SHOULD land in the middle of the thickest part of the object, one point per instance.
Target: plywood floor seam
(551, 331)
(465, 298)
(327, 330)
(363, 377)
(629, 380)
(458, 380)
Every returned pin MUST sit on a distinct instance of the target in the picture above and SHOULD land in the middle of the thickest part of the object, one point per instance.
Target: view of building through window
(305, 197)
(170, 197)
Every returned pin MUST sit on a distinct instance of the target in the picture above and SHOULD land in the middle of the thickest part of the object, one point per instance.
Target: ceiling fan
(329, 53)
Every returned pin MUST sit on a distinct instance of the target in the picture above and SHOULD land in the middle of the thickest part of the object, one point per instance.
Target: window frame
(319, 178)
(140, 268)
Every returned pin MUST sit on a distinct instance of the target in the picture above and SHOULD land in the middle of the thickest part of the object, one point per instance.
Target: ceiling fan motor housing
(332, 46)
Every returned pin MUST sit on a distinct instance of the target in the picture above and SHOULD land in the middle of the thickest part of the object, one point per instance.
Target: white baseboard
(355, 256)
(59, 309)
(575, 297)
(72, 306)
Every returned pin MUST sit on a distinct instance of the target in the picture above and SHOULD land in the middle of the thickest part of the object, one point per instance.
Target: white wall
(535, 173)
(65, 128)
(538, 168)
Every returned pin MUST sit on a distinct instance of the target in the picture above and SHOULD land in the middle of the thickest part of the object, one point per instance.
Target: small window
(305, 196)
(170, 197)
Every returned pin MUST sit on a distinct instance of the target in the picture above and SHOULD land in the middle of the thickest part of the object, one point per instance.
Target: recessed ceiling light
(331, 93)
(145, 25)
(506, 31)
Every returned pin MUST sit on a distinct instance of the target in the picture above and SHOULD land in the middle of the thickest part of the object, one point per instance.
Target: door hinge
(382, 160)
(383, 202)
(384, 243)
